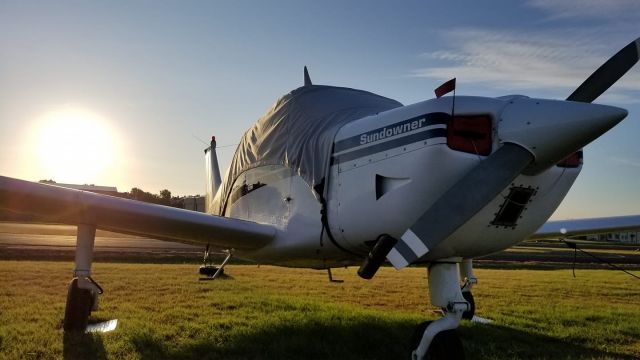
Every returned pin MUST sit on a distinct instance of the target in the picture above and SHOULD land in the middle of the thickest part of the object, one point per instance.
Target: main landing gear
(82, 297)
(210, 270)
(439, 339)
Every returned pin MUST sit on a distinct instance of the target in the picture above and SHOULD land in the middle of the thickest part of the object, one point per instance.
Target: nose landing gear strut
(439, 339)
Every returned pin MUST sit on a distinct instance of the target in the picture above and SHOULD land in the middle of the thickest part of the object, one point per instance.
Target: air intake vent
(513, 206)
(386, 184)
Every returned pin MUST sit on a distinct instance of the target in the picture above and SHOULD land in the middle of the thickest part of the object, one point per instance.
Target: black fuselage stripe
(404, 126)
(416, 137)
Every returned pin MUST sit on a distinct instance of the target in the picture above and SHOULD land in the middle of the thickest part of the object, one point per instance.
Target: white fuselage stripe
(414, 242)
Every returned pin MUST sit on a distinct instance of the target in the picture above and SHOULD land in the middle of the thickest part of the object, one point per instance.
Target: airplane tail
(213, 180)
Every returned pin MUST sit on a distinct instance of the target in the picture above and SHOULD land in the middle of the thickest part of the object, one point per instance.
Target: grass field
(277, 313)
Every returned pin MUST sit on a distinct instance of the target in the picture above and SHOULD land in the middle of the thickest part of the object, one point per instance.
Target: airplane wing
(110, 213)
(567, 228)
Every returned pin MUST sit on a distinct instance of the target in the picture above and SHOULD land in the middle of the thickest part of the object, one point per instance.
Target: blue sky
(159, 74)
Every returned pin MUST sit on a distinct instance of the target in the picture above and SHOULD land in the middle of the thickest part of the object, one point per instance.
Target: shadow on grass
(83, 346)
(370, 338)
(218, 278)
(501, 342)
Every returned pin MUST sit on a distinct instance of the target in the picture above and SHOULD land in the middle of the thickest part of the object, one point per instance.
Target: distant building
(631, 237)
(194, 203)
(106, 190)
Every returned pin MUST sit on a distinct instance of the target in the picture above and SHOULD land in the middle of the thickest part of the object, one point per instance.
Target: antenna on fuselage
(307, 79)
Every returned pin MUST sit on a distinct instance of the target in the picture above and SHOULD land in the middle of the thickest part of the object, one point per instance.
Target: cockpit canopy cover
(299, 129)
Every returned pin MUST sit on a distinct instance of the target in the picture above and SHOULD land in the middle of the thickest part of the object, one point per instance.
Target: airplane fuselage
(387, 169)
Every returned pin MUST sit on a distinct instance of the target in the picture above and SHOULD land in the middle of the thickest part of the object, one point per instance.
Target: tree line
(164, 197)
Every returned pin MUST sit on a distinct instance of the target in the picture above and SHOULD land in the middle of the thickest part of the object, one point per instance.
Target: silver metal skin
(85, 239)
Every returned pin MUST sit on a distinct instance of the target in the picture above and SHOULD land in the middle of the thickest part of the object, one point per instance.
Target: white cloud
(616, 10)
(547, 60)
(575, 38)
(625, 161)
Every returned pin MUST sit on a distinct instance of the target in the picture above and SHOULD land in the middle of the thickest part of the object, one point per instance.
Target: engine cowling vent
(513, 206)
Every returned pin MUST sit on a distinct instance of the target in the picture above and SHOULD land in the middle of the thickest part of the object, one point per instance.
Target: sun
(75, 145)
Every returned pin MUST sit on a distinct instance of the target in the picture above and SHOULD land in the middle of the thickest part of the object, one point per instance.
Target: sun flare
(75, 145)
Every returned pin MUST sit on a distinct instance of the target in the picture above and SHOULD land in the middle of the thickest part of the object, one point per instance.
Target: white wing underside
(68, 206)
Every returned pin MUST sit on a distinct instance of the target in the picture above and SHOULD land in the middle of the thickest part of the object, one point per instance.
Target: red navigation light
(572, 161)
(470, 133)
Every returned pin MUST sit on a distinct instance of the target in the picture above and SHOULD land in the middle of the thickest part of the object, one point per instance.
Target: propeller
(459, 204)
(465, 198)
(607, 74)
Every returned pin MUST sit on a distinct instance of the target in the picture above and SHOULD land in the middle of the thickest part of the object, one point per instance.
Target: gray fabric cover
(299, 129)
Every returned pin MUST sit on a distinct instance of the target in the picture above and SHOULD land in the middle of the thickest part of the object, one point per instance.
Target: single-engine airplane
(332, 177)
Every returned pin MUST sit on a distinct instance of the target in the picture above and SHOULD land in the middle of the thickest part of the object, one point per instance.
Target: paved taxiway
(40, 241)
(102, 243)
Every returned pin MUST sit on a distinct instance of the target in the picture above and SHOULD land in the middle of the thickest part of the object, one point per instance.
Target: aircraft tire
(78, 308)
(210, 271)
(468, 315)
(445, 345)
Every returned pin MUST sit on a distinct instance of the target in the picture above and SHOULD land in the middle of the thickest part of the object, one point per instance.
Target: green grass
(278, 313)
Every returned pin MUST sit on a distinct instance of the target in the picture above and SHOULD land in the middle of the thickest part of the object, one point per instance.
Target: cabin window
(255, 178)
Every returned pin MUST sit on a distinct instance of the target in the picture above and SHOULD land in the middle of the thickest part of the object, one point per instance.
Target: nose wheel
(469, 314)
(439, 339)
(445, 345)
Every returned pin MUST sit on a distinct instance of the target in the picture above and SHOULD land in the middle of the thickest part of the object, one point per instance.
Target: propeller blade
(460, 203)
(607, 74)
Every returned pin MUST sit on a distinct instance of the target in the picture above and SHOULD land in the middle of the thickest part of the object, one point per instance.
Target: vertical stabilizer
(213, 180)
